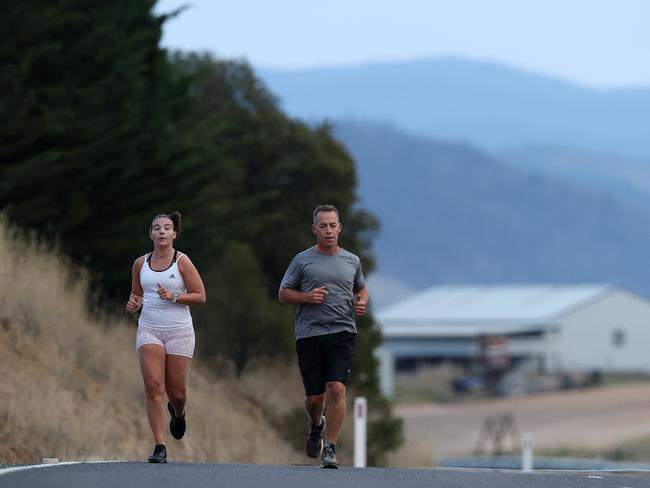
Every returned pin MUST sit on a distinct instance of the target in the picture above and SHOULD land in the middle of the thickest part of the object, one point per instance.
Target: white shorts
(179, 342)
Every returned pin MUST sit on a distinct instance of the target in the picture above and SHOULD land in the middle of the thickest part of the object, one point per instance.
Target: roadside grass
(636, 450)
(434, 384)
(427, 384)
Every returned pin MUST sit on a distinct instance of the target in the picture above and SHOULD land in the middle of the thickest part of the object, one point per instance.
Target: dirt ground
(594, 419)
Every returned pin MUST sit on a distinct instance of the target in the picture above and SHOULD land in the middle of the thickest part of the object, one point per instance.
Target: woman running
(164, 284)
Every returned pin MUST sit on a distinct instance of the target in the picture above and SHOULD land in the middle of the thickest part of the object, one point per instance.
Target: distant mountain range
(627, 179)
(543, 181)
(489, 105)
(451, 213)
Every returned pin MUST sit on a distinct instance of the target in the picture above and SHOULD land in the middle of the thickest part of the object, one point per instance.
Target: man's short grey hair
(325, 208)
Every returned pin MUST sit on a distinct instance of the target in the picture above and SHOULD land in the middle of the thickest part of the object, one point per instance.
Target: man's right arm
(290, 296)
(295, 297)
(288, 292)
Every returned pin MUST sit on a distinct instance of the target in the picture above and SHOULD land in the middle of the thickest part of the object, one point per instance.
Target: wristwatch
(175, 296)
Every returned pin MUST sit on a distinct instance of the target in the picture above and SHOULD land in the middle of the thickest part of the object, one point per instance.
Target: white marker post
(527, 452)
(360, 421)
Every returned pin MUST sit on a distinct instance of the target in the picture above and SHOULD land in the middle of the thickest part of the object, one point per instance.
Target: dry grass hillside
(71, 388)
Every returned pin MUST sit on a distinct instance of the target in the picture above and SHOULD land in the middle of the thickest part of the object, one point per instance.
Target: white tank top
(158, 313)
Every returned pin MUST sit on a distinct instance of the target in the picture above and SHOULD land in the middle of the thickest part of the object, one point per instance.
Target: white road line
(50, 465)
(33, 466)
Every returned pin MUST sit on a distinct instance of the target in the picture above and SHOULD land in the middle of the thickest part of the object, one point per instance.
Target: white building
(562, 328)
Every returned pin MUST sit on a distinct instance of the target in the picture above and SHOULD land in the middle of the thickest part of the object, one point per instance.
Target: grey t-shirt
(341, 275)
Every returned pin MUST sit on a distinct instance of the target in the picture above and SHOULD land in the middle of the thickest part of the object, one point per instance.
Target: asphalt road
(142, 475)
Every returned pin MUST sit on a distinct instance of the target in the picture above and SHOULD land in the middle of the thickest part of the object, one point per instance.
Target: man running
(327, 284)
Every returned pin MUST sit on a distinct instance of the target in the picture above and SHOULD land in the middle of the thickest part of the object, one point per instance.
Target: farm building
(558, 328)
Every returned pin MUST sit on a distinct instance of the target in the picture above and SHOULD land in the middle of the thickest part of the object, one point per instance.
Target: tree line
(105, 129)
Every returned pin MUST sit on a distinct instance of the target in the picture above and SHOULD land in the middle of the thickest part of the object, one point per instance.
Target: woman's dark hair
(175, 217)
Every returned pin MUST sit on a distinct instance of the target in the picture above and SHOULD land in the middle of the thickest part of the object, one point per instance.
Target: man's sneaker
(159, 454)
(328, 457)
(315, 438)
(176, 424)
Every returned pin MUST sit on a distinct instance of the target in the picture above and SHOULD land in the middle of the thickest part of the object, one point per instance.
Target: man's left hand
(359, 306)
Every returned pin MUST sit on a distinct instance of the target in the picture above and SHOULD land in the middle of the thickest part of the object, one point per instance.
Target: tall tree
(258, 172)
(241, 323)
(88, 93)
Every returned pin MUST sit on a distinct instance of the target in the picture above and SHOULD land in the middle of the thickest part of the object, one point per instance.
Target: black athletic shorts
(325, 358)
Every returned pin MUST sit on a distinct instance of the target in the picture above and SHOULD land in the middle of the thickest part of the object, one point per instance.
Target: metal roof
(491, 304)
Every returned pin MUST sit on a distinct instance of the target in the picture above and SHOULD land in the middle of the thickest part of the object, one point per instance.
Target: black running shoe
(328, 458)
(159, 454)
(315, 438)
(176, 424)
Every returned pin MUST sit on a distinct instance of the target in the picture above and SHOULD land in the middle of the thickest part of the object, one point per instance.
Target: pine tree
(86, 89)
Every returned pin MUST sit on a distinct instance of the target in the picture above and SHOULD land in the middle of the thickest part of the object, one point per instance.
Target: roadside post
(527, 452)
(360, 428)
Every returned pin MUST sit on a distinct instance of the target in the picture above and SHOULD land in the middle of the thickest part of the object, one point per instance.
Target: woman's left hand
(164, 293)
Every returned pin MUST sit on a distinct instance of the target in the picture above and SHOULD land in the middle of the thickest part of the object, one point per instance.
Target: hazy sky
(600, 43)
